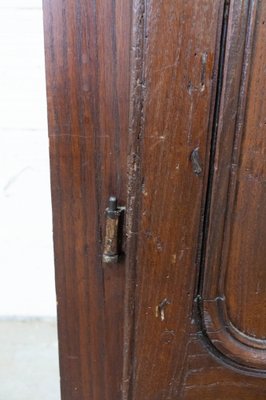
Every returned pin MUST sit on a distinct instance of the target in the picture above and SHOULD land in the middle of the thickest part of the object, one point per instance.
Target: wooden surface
(160, 104)
(87, 64)
(247, 252)
(234, 294)
(177, 86)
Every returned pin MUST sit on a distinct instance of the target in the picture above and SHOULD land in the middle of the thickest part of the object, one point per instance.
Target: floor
(29, 360)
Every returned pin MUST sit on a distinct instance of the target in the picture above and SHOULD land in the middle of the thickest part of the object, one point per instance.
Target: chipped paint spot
(159, 245)
(173, 259)
(203, 71)
(160, 309)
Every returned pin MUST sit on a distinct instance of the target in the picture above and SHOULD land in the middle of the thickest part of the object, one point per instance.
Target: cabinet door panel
(160, 103)
(234, 291)
(178, 68)
(87, 68)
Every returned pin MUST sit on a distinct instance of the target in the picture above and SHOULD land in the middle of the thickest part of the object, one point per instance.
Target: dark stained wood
(234, 294)
(178, 70)
(247, 253)
(87, 64)
(210, 378)
(160, 103)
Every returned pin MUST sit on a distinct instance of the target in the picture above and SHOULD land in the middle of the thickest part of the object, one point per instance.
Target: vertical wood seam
(136, 126)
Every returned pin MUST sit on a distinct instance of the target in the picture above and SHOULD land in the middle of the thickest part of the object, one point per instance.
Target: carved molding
(236, 346)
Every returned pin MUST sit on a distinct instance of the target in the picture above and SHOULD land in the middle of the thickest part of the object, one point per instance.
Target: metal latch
(113, 213)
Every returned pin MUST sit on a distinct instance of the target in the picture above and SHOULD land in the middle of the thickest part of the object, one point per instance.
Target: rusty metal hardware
(110, 252)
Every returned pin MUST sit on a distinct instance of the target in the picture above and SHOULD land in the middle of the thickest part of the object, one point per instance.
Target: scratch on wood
(160, 309)
(203, 71)
(202, 85)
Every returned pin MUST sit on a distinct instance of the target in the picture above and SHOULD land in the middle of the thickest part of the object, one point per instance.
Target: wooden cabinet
(162, 104)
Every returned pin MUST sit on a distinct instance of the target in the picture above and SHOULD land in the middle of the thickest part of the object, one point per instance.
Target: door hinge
(113, 216)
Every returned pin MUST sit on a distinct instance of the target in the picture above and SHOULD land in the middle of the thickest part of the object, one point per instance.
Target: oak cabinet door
(162, 105)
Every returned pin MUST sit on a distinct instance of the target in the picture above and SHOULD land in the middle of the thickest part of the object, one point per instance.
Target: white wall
(26, 258)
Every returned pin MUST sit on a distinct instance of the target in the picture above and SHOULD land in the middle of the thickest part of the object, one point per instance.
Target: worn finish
(87, 64)
(178, 64)
(161, 103)
(113, 222)
(246, 260)
(233, 293)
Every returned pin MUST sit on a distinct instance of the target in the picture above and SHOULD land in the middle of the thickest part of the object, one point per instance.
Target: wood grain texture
(208, 377)
(147, 100)
(178, 79)
(87, 66)
(233, 303)
(247, 252)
